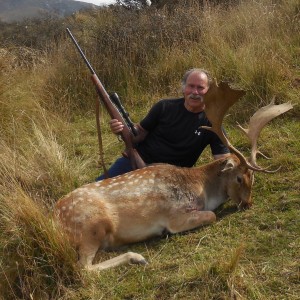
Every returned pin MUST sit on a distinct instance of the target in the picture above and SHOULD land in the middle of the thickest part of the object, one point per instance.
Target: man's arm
(149, 122)
(218, 149)
(141, 134)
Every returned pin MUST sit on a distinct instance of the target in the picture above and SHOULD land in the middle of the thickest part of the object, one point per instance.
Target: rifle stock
(136, 161)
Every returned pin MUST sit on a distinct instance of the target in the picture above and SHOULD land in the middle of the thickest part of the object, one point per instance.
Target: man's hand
(116, 126)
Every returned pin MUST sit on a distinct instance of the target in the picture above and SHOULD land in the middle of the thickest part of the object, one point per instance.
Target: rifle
(126, 134)
(116, 100)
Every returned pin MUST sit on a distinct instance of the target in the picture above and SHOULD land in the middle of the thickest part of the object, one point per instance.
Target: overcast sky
(99, 2)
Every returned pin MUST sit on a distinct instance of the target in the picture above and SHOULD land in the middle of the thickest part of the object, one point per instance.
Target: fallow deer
(150, 201)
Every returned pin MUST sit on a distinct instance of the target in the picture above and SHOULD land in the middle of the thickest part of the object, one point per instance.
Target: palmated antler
(257, 123)
(218, 100)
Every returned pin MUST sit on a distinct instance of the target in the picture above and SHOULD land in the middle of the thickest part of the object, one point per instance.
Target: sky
(99, 2)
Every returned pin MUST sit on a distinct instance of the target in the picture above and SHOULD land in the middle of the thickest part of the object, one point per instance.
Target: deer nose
(245, 204)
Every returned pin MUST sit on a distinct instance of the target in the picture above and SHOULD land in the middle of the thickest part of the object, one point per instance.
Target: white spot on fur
(79, 218)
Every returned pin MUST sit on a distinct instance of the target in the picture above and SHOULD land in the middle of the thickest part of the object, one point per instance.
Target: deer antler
(218, 100)
(258, 121)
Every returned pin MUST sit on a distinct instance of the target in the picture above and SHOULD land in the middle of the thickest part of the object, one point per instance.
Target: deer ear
(228, 164)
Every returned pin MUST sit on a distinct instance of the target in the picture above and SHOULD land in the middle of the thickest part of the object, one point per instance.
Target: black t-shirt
(174, 136)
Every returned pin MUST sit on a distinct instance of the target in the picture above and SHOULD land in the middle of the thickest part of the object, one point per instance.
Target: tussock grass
(42, 165)
(36, 259)
(49, 147)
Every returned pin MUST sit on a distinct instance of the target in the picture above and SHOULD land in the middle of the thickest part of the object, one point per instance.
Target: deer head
(239, 182)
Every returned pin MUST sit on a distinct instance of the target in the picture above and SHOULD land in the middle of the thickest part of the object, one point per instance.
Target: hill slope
(18, 10)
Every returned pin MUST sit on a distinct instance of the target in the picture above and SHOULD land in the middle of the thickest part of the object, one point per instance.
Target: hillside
(18, 10)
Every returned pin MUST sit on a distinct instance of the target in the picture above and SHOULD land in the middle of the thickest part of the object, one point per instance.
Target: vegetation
(48, 147)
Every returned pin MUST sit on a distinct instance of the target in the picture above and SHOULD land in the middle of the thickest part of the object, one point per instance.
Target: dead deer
(150, 201)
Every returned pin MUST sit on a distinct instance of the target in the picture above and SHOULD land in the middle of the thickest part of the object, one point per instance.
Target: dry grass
(36, 259)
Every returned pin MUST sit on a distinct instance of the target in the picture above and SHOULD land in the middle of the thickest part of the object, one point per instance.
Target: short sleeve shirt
(174, 135)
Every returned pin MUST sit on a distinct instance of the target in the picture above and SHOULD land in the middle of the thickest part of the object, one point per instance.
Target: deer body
(146, 203)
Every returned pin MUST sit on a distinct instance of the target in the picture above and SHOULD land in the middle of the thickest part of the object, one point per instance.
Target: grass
(49, 147)
(35, 246)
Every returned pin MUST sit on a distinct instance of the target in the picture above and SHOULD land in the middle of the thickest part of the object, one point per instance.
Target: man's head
(195, 84)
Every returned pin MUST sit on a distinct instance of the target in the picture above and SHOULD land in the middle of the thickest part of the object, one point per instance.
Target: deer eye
(239, 179)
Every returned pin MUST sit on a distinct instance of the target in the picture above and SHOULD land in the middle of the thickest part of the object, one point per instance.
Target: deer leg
(129, 257)
(183, 221)
(93, 239)
(86, 254)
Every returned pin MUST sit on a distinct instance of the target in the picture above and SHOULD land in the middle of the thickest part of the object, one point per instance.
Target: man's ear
(228, 164)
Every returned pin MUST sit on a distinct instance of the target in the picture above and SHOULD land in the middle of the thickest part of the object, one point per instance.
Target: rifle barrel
(80, 51)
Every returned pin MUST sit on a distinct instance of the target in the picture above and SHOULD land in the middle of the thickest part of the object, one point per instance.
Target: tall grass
(48, 146)
(36, 259)
(253, 45)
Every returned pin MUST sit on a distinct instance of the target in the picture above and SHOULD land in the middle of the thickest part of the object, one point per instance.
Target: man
(170, 132)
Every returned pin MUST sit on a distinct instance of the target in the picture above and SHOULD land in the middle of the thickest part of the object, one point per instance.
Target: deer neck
(212, 183)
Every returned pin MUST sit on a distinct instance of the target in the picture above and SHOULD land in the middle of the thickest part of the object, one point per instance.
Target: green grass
(49, 147)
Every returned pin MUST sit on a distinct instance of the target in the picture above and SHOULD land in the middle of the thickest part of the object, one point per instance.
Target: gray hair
(189, 72)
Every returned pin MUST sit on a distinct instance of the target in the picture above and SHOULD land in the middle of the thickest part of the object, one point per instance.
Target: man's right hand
(116, 126)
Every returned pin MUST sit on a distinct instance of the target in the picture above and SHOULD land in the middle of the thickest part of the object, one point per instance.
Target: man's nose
(195, 90)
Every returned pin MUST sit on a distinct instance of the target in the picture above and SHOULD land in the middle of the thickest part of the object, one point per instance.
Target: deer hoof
(136, 258)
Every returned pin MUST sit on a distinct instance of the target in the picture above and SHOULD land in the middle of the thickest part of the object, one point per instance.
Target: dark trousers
(120, 166)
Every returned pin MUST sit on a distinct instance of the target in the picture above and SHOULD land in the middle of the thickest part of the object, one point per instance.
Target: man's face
(196, 86)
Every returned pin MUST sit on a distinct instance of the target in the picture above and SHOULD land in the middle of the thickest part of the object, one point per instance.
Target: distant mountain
(18, 10)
